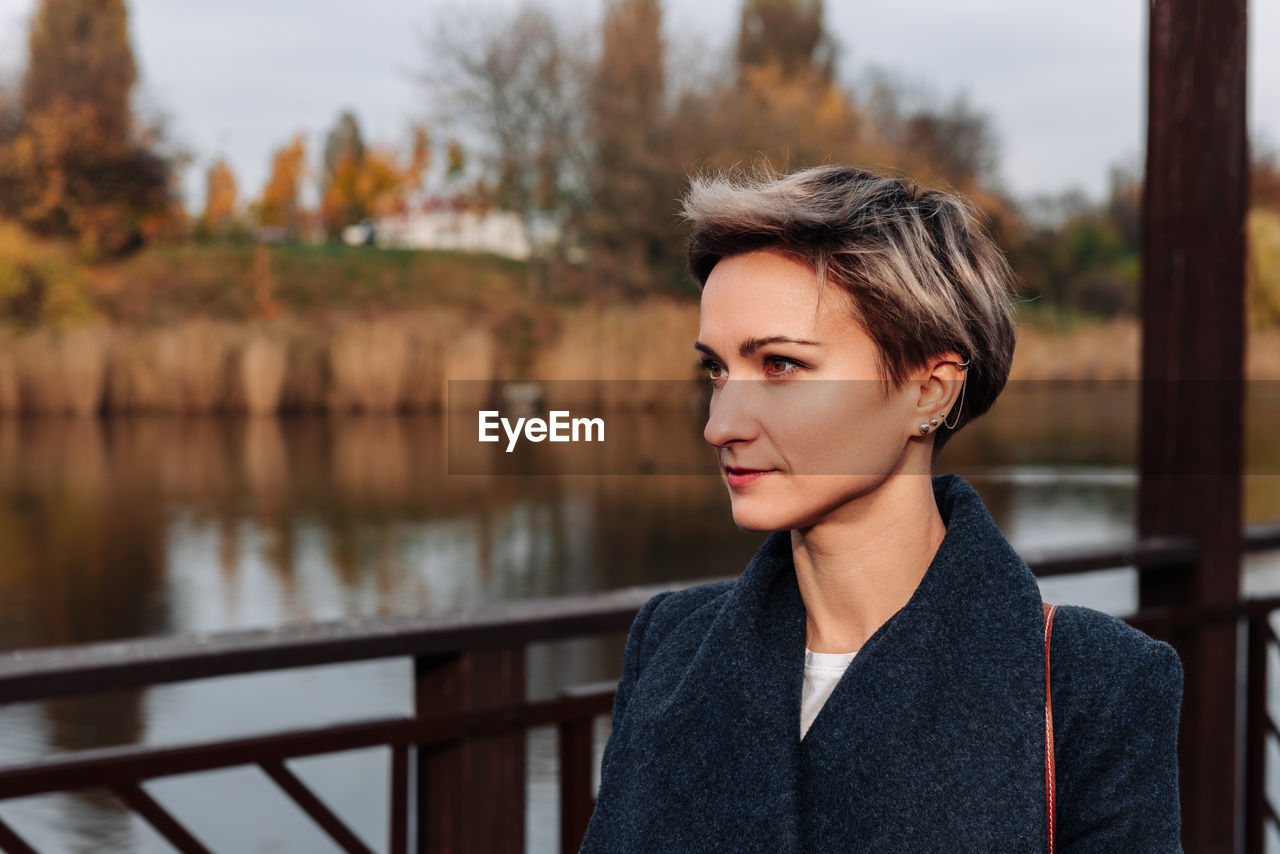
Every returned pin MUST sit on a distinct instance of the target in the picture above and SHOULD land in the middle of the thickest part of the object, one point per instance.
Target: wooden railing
(463, 749)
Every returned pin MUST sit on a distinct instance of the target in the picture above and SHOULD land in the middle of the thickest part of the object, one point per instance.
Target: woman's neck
(857, 570)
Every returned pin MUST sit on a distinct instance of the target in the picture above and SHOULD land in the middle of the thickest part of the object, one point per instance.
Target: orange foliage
(280, 205)
(373, 183)
(220, 199)
(77, 164)
(787, 119)
(455, 160)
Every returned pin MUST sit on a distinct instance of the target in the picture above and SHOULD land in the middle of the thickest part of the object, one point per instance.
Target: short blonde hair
(922, 276)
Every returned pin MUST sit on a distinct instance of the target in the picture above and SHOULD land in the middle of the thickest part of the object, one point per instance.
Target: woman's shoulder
(670, 615)
(1096, 651)
(1111, 681)
(1117, 698)
(667, 611)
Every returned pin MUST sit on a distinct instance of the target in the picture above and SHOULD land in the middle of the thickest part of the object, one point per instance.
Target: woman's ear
(939, 382)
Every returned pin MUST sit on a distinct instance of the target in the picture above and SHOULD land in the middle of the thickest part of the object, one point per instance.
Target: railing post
(1255, 739)
(471, 794)
(1195, 193)
(576, 757)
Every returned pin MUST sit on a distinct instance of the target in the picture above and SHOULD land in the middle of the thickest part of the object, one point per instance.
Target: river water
(158, 526)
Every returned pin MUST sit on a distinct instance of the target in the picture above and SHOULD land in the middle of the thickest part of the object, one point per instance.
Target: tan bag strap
(1049, 784)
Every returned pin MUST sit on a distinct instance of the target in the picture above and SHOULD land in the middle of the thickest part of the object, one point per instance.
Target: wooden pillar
(1193, 332)
(471, 796)
(576, 761)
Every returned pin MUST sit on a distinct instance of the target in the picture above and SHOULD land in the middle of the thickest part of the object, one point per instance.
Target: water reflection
(162, 525)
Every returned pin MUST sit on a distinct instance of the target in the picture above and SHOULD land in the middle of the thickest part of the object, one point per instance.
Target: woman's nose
(732, 415)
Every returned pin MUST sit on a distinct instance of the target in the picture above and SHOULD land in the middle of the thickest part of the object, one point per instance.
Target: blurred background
(244, 247)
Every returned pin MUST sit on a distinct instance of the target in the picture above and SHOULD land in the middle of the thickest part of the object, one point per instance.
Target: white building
(445, 225)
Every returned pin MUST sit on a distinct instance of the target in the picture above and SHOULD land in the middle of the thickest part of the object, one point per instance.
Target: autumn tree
(632, 225)
(519, 86)
(790, 35)
(1079, 255)
(933, 139)
(219, 216)
(344, 142)
(343, 156)
(78, 163)
(455, 161)
(608, 145)
(279, 209)
(790, 111)
(360, 182)
(10, 113)
(779, 104)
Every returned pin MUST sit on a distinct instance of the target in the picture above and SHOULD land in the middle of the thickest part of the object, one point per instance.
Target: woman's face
(799, 417)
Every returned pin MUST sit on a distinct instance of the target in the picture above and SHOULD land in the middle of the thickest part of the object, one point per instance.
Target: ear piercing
(964, 366)
(933, 422)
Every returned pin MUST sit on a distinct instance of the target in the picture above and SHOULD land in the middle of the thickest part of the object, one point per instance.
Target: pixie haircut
(921, 275)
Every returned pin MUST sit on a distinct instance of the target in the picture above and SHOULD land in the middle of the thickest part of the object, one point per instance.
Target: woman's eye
(774, 366)
(713, 371)
(780, 365)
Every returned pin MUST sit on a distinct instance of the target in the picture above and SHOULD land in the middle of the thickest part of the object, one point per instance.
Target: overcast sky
(1062, 82)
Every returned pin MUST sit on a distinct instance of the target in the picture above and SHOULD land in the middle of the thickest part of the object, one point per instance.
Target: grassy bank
(209, 328)
(169, 284)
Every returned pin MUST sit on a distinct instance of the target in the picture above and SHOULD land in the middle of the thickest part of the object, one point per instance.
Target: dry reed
(606, 349)
(1107, 350)
(186, 368)
(306, 385)
(1111, 350)
(405, 363)
(9, 399)
(429, 334)
(62, 372)
(367, 364)
(1262, 359)
(444, 345)
(470, 358)
(259, 373)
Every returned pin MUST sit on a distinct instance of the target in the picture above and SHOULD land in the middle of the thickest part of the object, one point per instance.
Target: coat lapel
(936, 731)
(722, 716)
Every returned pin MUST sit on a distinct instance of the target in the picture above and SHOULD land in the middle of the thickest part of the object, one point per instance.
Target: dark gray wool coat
(933, 739)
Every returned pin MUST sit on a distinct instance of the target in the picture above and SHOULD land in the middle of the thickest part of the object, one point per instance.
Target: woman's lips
(740, 477)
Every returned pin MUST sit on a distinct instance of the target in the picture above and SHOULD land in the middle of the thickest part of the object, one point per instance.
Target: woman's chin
(758, 520)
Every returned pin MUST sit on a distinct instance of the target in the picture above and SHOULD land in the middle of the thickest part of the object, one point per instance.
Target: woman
(875, 679)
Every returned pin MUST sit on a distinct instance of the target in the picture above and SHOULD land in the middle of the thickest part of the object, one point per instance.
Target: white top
(822, 670)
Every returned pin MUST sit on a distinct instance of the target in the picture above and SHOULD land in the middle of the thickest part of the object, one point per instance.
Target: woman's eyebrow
(749, 346)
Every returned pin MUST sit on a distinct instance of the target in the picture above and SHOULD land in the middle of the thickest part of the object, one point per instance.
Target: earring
(963, 384)
(933, 422)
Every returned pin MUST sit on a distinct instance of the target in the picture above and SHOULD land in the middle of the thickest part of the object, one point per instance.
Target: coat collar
(974, 565)
(946, 694)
